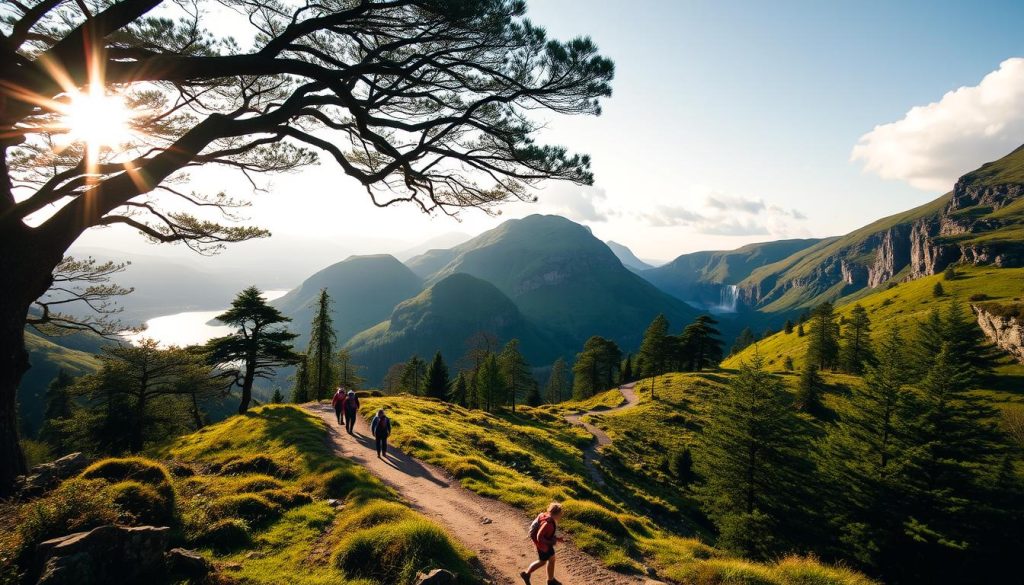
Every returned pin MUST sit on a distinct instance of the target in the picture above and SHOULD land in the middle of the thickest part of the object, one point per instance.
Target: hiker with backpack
(543, 533)
(380, 428)
(350, 406)
(337, 402)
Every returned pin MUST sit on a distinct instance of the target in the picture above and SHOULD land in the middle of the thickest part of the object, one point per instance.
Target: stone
(107, 554)
(1007, 332)
(187, 563)
(47, 475)
(486, 521)
(436, 577)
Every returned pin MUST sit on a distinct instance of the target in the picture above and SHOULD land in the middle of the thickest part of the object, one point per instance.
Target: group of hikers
(346, 406)
(543, 530)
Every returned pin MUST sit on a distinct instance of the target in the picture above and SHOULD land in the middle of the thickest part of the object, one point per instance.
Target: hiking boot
(554, 582)
(526, 577)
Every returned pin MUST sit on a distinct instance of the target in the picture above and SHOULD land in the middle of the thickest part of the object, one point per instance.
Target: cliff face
(975, 224)
(1006, 331)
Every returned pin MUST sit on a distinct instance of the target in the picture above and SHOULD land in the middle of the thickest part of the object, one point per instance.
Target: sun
(97, 119)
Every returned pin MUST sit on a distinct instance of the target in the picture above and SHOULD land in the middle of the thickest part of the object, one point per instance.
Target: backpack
(535, 528)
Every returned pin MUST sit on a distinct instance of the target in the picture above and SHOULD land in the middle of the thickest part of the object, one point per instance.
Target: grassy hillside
(252, 493)
(47, 358)
(566, 280)
(364, 289)
(902, 306)
(531, 459)
(444, 317)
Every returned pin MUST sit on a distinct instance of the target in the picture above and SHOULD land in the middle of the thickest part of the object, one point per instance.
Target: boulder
(436, 577)
(107, 554)
(187, 563)
(47, 475)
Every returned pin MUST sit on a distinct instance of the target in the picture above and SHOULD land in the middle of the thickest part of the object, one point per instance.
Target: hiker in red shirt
(338, 402)
(543, 533)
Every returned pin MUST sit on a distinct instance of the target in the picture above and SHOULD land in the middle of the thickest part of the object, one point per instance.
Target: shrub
(788, 364)
(253, 508)
(978, 297)
(375, 514)
(950, 273)
(937, 290)
(76, 505)
(130, 469)
(142, 503)
(224, 535)
(395, 552)
(256, 464)
(680, 463)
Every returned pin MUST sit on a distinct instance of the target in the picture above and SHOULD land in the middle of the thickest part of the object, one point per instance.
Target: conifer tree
(596, 367)
(58, 409)
(823, 346)
(414, 375)
(533, 393)
(348, 371)
(788, 327)
(460, 389)
(516, 371)
(258, 347)
(800, 330)
(277, 397)
(654, 349)
(743, 341)
(855, 350)
(704, 347)
(927, 342)
(558, 382)
(437, 383)
(970, 350)
(490, 384)
(320, 354)
(809, 390)
(626, 375)
(751, 462)
(393, 379)
(938, 291)
(300, 388)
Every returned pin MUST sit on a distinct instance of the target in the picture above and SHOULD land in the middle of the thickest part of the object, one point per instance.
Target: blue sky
(721, 107)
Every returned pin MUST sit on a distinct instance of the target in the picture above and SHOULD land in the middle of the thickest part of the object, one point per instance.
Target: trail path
(591, 453)
(495, 531)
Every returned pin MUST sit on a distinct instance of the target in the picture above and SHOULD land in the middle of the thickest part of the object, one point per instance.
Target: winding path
(495, 531)
(591, 453)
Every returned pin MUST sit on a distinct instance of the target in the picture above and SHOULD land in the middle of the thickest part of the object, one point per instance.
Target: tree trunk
(247, 382)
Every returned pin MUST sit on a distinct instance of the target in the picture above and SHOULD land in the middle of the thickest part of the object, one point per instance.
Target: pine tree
(392, 383)
(437, 381)
(949, 273)
(823, 347)
(58, 409)
(626, 375)
(927, 342)
(788, 327)
(259, 346)
(855, 350)
(809, 390)
(348, 371)
(277, 398)
(704, 347)
(595, 368)
(860, 456)
(319, 356)
(800, 330)
(414, 375)
(558, 382)
(654, 349)
(970, 350)
(750, 459)
(300, 389)
(516, 371)
(938, 291)
(743, 341)
(460, 389)
(533, 393)
(490, 384)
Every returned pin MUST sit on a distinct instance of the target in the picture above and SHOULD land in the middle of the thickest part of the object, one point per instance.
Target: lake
(189, 327)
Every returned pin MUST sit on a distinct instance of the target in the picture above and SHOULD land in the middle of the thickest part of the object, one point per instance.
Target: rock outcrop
(107, 554)
(436, 577)
(46, 476)
(1004, 330)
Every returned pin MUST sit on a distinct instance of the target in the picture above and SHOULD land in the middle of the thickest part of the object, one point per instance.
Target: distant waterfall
(728, 298)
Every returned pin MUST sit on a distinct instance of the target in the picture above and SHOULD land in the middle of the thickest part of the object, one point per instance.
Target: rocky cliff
(1004, 326)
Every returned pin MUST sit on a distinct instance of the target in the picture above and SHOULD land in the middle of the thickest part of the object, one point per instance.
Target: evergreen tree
(949, 273)
(515, 371)
(704, 347)
(300, 389)
(743, 341)
(596, 367)
(800, 330)
(533, 393)
(927, 342)
(393, 379)
(491, 387)
(319, 356)
(414, 375)
(348, 371)
(460, 389)
(788, 327)
(655, 350)
(558, 382)
(970, 350)
(823, 347)
(938, 291)
(626, 375)
(855, 351)
(750, 459)
(259, 346)
(809, 390)
(437, 381)
(59, 405)
(277, 397)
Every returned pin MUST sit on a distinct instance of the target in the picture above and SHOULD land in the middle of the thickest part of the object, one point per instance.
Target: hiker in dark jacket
(351, 408)
(380, 427)
(544, 534)
(337, 402)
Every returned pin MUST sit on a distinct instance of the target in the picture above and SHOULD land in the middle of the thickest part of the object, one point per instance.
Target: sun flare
(97, 119)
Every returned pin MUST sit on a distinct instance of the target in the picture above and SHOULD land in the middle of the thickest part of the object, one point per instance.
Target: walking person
(337, 402)
(351, 409)
(380, 427)
(544, 534)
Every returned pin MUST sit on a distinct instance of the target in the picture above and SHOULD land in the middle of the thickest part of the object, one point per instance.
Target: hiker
(380, 427)
(351, 408)
(543, 534)
(337, 402)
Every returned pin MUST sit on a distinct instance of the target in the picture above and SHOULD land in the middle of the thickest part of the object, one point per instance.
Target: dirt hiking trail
(495, 531)
(591, 453)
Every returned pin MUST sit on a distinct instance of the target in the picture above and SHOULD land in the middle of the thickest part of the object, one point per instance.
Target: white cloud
(934, 144)
(573, 202)
(720, 214)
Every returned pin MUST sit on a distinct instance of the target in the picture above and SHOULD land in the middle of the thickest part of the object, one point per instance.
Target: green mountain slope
(428, 263)
(444, 317)
(564, 279)
(364, 289)
(980, 222)
(47, 358)
(627, 257)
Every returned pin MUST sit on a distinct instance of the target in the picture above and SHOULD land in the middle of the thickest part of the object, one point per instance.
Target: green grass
(534, 457)
(251, 493)
(903, 306)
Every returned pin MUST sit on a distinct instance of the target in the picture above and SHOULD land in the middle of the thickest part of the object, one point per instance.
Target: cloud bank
(728, 215)
(934, 144)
